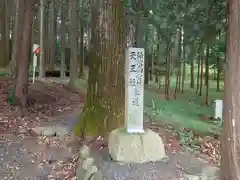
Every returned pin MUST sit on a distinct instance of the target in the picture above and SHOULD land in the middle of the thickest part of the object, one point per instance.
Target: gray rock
(84, 152)
(97, 176)
(90, 172)
(135, 148)
(52, 130)
(87, 163)
(86, 174)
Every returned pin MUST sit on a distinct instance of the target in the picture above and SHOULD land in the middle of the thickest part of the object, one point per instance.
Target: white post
(134, 85)
(34, 67)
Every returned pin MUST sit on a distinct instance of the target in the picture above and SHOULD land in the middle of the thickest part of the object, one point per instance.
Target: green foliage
(202, 21)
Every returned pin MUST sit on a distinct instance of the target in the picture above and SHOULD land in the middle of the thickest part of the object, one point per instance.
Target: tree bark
(7, 31)
(218, 73)
(192, 55)
(21, 89)
(207, 73)
(201, 72)
(73, 43)
(81, 71)
(53, 35)
(104, 106)
(3, 58)
(63, 41)
(18, 25)
(230, 142)
(42, 40)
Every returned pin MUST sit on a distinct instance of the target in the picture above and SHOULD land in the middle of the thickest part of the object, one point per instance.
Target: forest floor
(182, 123)
(25, 154)
(188, 117)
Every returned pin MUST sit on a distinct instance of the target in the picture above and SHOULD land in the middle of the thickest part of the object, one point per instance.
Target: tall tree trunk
(47, 36)
(73, 43)
(152, 66)
(3, 58)
(53, 35)
(104, 107)
(192, 80)
(81, 71)
(7, 31)
(218, 73)
(138, 25)
(17, 34)
(183, 75)
(199, 69)
(230, 142)
(201, 72)
(42, 40)
(63, 41)
(21, 89)
(168, 75)
(207, 73)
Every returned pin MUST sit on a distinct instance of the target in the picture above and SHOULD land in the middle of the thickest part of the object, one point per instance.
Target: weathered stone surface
(202, 177)
(87, 163)
(86, 174)
(90, 172)
(51, 130)
(135, 148)
(84, 152)
(97, 176)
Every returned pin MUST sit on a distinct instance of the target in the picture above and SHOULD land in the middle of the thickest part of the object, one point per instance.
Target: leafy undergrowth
(175, 140)
(45, 102)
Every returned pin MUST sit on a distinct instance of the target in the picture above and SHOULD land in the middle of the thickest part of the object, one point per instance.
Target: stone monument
(134, 144)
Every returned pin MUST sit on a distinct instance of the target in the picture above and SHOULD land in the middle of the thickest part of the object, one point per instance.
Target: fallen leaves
(211, 148)
(174, 140)
(45, 101)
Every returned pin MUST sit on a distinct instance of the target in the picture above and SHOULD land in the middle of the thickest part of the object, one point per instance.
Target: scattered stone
(135, 148)
(89, 174)
(62, 131)
(87, 163)
(97, 176)
(84, 152)
(51, 130)
(196, 177)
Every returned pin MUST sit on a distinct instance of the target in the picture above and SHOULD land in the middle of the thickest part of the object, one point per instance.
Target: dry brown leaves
(211, 148)
(62, 169)
(44, 103)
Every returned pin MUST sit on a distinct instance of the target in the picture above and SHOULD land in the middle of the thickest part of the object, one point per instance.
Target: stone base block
(135, 148)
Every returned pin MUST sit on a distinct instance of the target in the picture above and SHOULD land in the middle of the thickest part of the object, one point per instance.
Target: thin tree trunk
(168, 74)
(199, 70)
(53, 35)
(3, 58)
(230, 142)
(201, 73)
(176, 86)
(73, 43)
(22, 76)
(81, 71)
(63, 42)
(7, 31)
(152, 66)
(207, 73)
(18, 25)
(104, 107)
(218, 74)
(192, 80)
(42, 40)
(183, 75)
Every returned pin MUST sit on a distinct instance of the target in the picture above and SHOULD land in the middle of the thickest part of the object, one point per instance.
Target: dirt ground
(45, 102)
